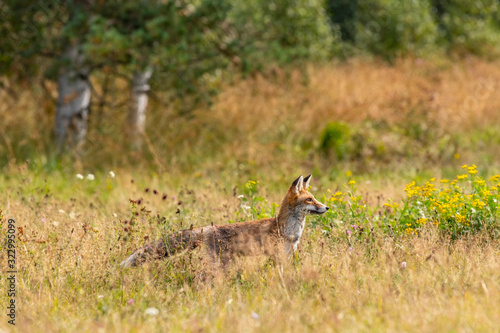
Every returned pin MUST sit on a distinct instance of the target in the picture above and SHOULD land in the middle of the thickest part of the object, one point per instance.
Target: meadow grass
(71, 244)
(416, 121)
(69, 278)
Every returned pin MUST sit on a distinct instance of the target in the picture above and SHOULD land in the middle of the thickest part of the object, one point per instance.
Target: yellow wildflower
(422, 220)
(480, 182)
(495, 178)
(472, 169)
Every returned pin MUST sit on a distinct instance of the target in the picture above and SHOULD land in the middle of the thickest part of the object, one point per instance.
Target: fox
(263, 236)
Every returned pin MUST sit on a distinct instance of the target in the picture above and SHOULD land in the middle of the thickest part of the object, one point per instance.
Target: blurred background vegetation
(125, 120)
(366, 85)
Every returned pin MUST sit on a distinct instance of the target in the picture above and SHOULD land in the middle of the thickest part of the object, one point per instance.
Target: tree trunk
(73, 102)
(138, 104)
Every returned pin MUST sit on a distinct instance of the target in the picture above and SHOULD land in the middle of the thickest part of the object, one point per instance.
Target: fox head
(301, 201)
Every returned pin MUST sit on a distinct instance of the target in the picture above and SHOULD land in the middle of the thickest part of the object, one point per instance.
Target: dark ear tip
(295, 182)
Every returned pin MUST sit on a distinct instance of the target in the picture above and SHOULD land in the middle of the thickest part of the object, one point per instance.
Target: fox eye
(309, 200)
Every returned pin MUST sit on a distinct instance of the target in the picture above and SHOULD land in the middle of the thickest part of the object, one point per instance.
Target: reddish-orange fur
(244, 238)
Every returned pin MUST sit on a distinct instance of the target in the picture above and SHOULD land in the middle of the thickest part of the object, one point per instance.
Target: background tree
(186, 49)
(468, 26)
(386, 28)
(173, 46)
(179, 40)
(281, 31)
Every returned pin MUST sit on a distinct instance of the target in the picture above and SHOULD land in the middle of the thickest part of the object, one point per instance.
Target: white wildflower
(72, 215)
(61, 211)
(90, 176)
(152, 311)
(55, 223)
(79, 176)
(240, 196)
(112, 174)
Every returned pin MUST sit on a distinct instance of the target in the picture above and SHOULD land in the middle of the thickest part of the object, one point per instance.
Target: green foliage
(343, 13)
(182, 41)
(335, 137)
(188, 43)
(28, 31)
(469, 26)
(281, 31)
(465, 205)
(386, 28)
(391, 28)
(254, 206)
(378, 142)
(348, 211)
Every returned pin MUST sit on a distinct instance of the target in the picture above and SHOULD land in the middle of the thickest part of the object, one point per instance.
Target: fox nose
(327, 208)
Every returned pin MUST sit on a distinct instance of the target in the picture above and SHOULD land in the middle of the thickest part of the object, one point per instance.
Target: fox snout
(318, 210)
(316, 207)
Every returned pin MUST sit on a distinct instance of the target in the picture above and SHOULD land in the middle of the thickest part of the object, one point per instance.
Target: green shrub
(462, 206)
(343, 13)
(391, 28)
(372, 143)
(282, 31)
(336, 137)
(469, 26)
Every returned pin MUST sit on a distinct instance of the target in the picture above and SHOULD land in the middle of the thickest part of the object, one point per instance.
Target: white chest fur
(293, 231)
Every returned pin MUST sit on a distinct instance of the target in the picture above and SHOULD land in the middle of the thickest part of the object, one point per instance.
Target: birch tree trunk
(138, 104)
(73, 102)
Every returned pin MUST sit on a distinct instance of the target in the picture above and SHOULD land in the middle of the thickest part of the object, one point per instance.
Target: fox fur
(244, 238)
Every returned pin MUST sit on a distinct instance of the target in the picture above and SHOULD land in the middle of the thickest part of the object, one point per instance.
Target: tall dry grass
(263, 128)
(69, 279)
(265, 120)
(457, 95)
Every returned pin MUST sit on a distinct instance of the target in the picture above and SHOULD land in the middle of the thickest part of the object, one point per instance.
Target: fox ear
(307, 181)
(297, 185)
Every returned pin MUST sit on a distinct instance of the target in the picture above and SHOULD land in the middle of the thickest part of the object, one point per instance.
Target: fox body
(244, 238)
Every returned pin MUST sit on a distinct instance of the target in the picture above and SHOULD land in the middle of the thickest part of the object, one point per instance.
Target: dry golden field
(402, 123)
